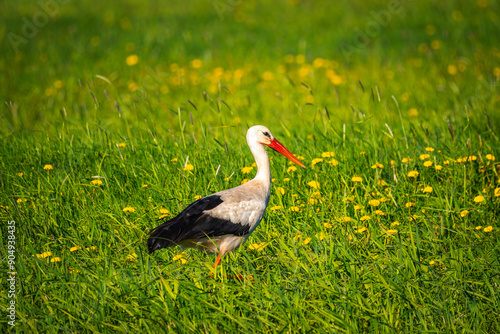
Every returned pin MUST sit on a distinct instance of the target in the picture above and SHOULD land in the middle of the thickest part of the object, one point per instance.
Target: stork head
(261, 135)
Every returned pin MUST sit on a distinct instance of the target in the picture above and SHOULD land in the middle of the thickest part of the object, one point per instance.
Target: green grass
(428, 79)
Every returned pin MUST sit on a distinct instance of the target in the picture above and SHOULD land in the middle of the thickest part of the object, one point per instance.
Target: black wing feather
(193, 223)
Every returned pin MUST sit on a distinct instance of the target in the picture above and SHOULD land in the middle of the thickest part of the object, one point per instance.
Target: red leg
(217, 262)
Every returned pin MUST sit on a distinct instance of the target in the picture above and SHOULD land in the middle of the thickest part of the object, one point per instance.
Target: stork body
(221, 222)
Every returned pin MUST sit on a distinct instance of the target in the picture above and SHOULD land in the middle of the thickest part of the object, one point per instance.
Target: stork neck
(262, 161)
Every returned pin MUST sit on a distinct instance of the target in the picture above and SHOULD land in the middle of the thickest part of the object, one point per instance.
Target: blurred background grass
(443, 55)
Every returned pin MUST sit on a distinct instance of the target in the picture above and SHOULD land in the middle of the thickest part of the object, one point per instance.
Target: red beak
(277, 146)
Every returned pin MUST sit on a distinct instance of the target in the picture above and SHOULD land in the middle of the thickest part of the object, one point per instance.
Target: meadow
(116, 115)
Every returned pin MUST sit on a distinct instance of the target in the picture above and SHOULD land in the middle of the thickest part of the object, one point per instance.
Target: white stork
(221, 222)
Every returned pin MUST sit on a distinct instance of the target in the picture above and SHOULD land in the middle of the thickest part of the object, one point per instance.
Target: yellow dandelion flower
(412, 112)
(333, 162)
(357, 179)
(48, 167)
(128, 209)
(409, 204)
(20, 174)
(173, 160)
(180, 259)
(479, 199)
(163, 216)
(94, 247)
(312, 201)
(74, 249)
(327, 154)
(432, 262)
(188, 167)
(72, 270)
(316, 161)
(382, 183)
(132, 257)
(281, 190)
(464, 213)
(490, 157)
(276, 207)
(378, 165)
(306, 241)
(144, 185)
(268, 76)
(258, 246)
(313, 184)
(327, 225)
(452, 69)
(345, 219)
(357, 207)
(246, 170)
(395, 223)
(424, 156)
(44, 255)
(196, 63)
(244, 181)
(379, 213)
(404, 160)
(132, 60)
(19, 200)
(56, 259)
(413, 173)
(365, 218)
(96, 182)
(286, 179)
(391, 232)
(122, 144)
(479, 227)
(488, 229)
(320, 236)
(291, 169)
(427, 189)
(294, 209)
(429, 149)
(361, 230)
(197, 197)
(446, 162)
(374, 202)
(428, 163)
(132, 86)
(164, 211)
(497, 192)
(438, 167)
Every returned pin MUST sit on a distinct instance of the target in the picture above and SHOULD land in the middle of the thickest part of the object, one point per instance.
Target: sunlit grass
(392, 227)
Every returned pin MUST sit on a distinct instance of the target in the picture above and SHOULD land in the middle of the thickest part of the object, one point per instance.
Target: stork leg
(217, 262)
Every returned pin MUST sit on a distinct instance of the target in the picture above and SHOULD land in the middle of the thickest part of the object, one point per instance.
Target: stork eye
(267, 134)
